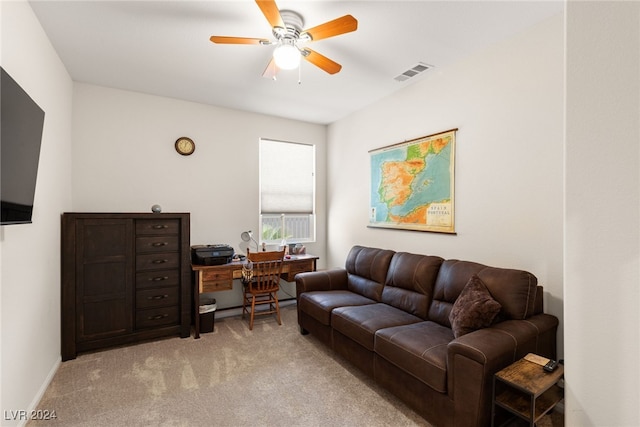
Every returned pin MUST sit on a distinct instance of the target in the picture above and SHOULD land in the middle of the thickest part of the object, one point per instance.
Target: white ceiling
(163, 48)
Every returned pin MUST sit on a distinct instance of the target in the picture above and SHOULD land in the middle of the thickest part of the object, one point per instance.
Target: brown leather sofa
(389, 313)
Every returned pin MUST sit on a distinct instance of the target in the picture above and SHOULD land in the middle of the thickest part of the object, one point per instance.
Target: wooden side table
(526, 390)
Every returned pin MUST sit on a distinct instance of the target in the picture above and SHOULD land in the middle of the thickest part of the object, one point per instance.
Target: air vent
(417, 69)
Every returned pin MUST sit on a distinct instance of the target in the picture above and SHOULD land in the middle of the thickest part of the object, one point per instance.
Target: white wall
(507, 103)
(602, 233)
(30, 286)
(124, 160)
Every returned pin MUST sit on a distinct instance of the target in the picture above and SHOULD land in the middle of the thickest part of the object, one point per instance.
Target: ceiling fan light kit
(287, 56)
(287, 29)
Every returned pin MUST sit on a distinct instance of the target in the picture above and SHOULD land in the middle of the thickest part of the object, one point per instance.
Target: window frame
(286, 220)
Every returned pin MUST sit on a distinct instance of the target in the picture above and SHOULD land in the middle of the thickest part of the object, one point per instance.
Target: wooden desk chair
(261, 276)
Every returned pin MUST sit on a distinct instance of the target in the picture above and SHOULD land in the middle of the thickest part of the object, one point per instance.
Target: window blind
(286, 177)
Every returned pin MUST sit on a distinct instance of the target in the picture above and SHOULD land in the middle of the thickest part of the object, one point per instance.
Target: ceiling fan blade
(270, 11)
(321, 61)
(237, 40)
(338, 26)
(271, 70)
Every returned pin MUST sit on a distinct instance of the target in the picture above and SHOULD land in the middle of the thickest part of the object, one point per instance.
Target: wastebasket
(207, 313)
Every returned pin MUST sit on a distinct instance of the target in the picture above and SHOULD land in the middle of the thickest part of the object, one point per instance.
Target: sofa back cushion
(367, 270)
(410, 282)
(515, 290)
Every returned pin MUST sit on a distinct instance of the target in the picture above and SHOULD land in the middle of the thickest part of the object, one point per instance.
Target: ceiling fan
(290, 37)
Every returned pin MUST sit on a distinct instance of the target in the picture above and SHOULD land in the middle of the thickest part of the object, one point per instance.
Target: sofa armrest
(488, 349)
(324, 280)
(474, 358)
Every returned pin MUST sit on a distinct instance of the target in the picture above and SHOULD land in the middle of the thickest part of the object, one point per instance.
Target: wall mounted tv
(21, 123)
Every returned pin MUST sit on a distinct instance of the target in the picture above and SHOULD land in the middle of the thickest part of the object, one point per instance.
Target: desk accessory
(217, 254)
(531, 357)
(247, 271)
(550, 366)
(247, 236)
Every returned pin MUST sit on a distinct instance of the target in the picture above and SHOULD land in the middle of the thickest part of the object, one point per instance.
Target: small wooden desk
(214, 278)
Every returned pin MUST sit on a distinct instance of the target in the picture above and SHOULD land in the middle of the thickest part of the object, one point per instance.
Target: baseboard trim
(43, 388)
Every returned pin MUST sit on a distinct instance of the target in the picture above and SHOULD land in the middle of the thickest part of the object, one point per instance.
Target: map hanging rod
(414, 139)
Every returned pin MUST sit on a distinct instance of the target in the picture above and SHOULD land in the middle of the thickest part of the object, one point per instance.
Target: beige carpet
(271, 376)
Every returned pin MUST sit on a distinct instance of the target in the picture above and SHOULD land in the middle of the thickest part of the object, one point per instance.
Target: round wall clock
(185, 146)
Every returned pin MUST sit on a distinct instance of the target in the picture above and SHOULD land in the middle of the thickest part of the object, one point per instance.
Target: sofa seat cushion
(420, 349)
(319, 304)
(361, 323)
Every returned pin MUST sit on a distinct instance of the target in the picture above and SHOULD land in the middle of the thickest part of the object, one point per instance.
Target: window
(287, 192)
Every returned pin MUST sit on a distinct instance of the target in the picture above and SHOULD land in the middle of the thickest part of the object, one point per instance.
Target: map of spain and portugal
(412, 184)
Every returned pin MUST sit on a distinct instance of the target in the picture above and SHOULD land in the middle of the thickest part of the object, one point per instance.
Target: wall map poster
(412, 184)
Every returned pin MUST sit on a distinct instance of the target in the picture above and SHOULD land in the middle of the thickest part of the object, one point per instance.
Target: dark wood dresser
(126, 277)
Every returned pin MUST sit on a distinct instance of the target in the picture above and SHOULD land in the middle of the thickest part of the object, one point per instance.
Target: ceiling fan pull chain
(300, 74)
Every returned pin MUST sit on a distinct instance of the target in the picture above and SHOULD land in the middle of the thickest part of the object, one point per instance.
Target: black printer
(211, 254)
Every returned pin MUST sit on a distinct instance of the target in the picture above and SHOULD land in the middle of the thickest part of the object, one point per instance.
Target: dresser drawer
(157, 261)
(157, 226)
(153, 279)
(158, 297)
(157, 317)
(156, 244)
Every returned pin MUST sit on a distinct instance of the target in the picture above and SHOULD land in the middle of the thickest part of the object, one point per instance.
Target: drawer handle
(158, 279)
(158, 317)
(158, 244)
(159, 227)
(159, 261)
(156, 297)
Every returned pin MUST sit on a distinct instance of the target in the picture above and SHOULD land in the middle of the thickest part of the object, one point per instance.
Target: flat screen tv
(21, 123)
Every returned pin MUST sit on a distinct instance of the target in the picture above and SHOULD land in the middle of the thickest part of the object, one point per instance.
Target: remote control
(550, 366)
